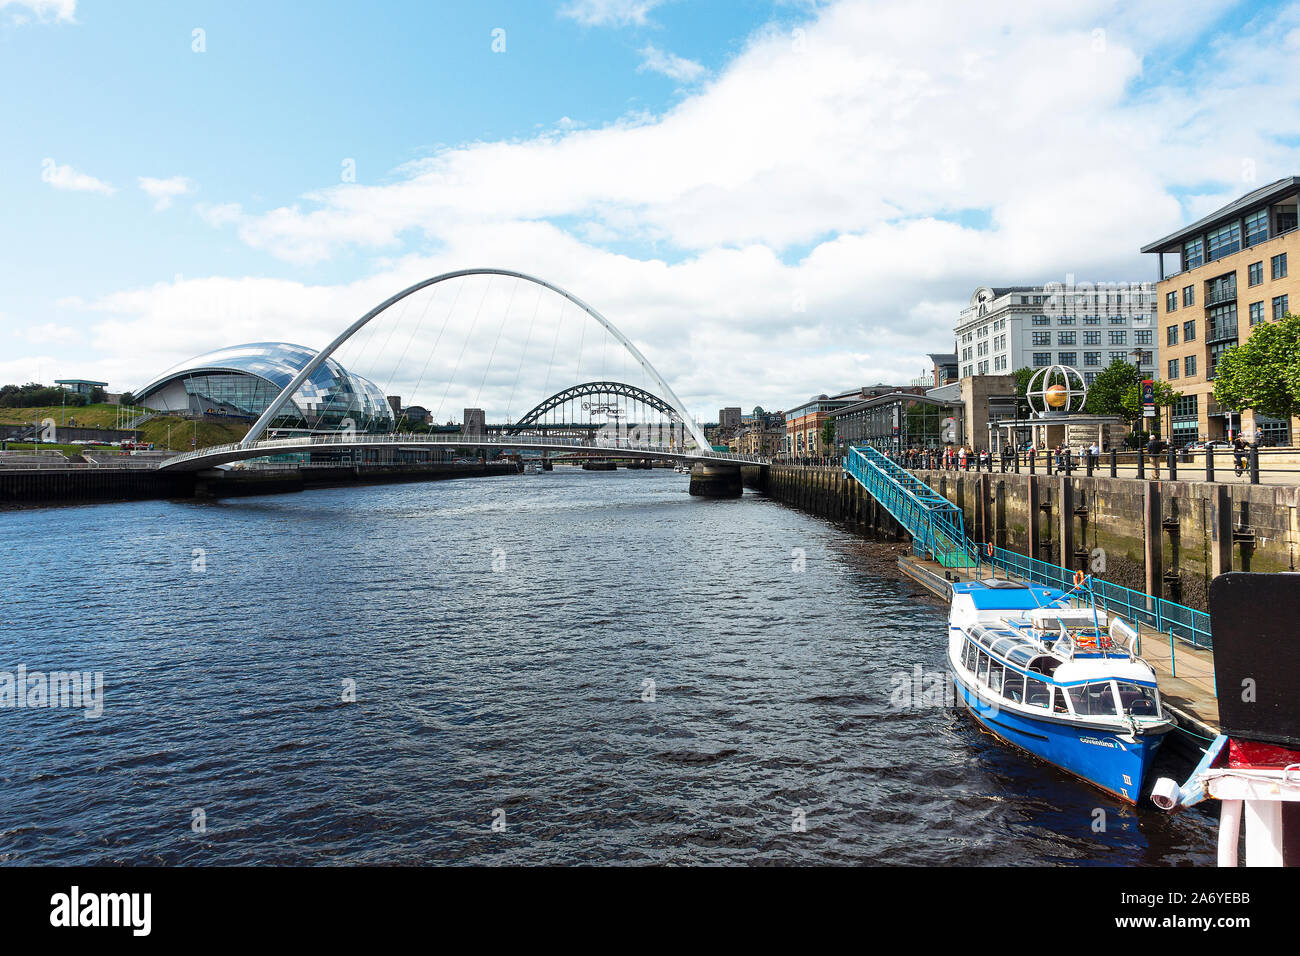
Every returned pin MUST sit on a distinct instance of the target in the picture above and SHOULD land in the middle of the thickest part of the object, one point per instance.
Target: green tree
(1023, 375)
(1263, 373)
(828, 434)
(1106, 393)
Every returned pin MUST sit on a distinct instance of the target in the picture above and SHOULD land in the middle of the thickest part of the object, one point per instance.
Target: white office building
(1084, 325)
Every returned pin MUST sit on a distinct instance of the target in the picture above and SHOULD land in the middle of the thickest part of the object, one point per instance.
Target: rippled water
(512, 694)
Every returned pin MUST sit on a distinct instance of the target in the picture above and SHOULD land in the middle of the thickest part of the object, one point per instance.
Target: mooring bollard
(1142, 464)
(1209, 464)
(1254, 464)
(1114, 463)
(1089, 465)
(1172, 458)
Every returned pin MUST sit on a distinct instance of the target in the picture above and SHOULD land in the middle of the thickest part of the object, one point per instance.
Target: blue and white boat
(1061, 682)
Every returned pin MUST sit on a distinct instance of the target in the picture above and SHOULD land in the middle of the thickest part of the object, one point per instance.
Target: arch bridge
(664, 400)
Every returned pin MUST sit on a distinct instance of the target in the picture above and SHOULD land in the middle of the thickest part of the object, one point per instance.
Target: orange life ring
(988, 549)
(1078, 578)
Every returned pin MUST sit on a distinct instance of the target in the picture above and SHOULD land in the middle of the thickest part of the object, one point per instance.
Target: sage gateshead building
(241, 381)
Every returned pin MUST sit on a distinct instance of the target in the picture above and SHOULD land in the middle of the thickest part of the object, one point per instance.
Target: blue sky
(690, 167)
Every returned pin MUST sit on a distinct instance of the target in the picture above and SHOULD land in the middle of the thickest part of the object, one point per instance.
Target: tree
(828, 434)
(1106, 393)
(1262, 373)
(1023, 375)
(126, 398)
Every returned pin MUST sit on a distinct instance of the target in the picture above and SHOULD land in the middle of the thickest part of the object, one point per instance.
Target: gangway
(935, 523)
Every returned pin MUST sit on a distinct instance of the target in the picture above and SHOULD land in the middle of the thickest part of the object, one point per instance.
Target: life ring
(988, 549)
(1078, 578)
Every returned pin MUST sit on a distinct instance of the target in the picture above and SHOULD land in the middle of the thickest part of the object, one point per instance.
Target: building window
(1092, 338)
(1119, 356)
(1171, 301)
(1215, 352)
(1173, 368)
(1092, 320)
(1189, 295)
(1065, 338)
(1142, 336)
(1189, 331)
(983, 368)
(1118, 337)
(1069, 358)
(1042, 338)
(1091, 358)
(1193, 256)
(1171, 335)
(1041, 320)
(1189, 365)
(1042, 358)
(1221, 322)
(1065, 320)
(1224, 241)
(1279, 306)
(1255, 273)
(1279, 266)
(1256, 313)
(1185, 406)
(1257, 227)
(1089, 377)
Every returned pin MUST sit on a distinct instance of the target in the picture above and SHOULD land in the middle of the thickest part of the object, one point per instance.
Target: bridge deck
(227, 454)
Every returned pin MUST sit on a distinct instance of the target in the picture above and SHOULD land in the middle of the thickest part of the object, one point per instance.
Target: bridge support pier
(716, 481)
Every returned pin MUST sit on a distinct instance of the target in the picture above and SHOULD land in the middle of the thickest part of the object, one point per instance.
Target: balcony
(1218, 332)
(1221, 294)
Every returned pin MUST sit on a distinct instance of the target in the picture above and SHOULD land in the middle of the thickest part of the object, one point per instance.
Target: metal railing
(1185, 623)
(935, 523)
(937, 530)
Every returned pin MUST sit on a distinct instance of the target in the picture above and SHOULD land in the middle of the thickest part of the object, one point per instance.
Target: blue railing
(934, 522)
(938, 532)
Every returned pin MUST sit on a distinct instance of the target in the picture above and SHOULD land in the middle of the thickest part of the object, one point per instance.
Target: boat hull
(1098, 756)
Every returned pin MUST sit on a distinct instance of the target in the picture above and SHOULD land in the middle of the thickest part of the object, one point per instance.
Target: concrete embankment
(1164, 538)
(32, 487)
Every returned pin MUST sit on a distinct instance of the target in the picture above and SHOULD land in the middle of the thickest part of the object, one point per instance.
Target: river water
(573, 667)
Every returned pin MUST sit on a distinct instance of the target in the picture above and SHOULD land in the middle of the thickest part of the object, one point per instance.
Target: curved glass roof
(331, 387)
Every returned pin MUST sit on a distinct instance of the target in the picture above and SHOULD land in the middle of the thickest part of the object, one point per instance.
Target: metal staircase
(935, 523)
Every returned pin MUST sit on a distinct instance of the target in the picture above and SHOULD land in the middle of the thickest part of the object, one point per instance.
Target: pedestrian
(1153, 449)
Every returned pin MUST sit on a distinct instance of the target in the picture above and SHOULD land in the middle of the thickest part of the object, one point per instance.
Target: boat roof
(1006, 595)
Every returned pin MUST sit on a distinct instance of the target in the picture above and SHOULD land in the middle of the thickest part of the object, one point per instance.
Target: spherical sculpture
(1056, 390)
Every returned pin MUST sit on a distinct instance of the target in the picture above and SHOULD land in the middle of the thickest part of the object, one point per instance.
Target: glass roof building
(241, 381)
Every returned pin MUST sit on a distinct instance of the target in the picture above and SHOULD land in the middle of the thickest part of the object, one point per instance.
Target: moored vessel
(1059, 681)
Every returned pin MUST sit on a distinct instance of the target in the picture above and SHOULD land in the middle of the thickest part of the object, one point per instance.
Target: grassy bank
(183, 430)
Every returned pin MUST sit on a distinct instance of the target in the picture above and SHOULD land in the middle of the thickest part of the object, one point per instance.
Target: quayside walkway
(1174, 639)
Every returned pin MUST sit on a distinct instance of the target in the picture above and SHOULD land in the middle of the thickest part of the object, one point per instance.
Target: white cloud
(45, 11)
(618, 13)
(163, 191)
(864, 170)
(65, 177)
(670, 65)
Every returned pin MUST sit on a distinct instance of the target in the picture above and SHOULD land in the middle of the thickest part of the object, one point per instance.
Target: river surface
(574, 667)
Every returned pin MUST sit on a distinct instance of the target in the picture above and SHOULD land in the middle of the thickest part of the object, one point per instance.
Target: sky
(770, 199)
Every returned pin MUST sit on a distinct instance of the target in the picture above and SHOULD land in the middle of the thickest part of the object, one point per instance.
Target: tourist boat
(530, 468)
(1059, 681)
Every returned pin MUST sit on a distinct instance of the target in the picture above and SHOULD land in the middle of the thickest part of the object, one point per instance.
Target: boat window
(1094, 700)
(1000, 648)
(995, 677)
(1013, 686)
(1059, 703)
(968, 659)
(1037, 692)
(984, 667)
(1020, 655)
(1137, 700)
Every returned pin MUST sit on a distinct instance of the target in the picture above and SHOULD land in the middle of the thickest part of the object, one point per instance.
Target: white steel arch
(289, 390)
